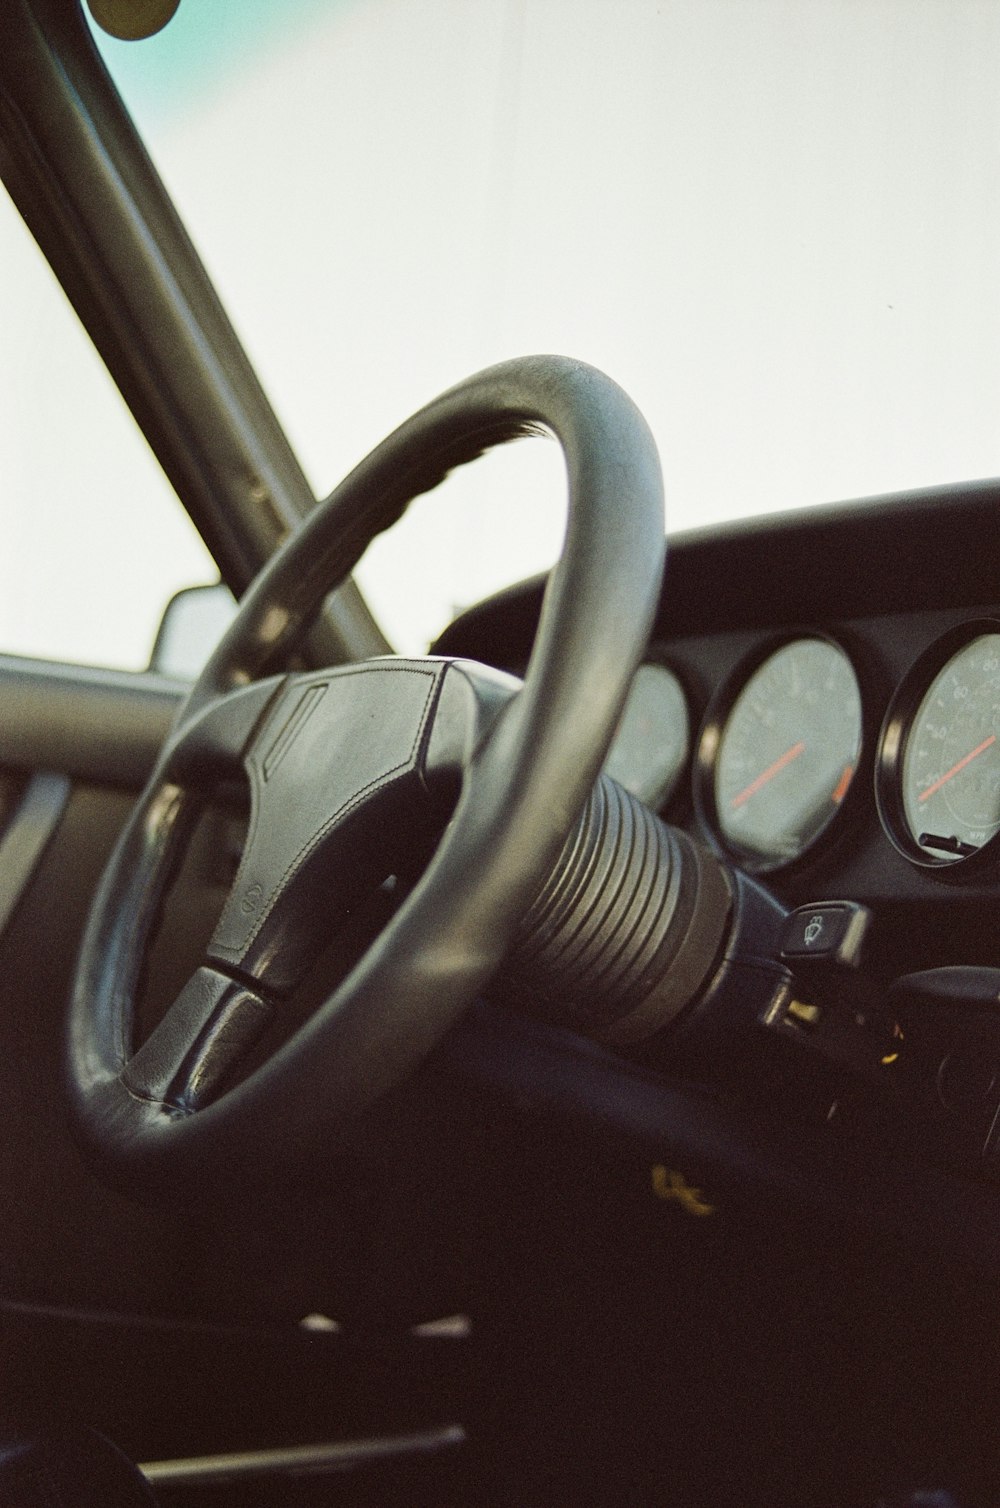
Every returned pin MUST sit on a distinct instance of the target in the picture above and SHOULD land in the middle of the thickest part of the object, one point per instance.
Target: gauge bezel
(897, 727)
(710, 739)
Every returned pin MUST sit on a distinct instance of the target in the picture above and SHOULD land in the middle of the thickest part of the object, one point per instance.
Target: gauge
(939, 757)
(775, 773)
(651, 744)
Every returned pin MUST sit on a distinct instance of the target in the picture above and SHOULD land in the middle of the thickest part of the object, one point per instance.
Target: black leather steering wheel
(342, 764)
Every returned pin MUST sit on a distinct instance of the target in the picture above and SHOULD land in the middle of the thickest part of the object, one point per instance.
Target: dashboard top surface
(885, 580)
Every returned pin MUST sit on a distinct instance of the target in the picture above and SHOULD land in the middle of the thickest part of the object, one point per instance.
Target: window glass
(94, 540)
(774, 223)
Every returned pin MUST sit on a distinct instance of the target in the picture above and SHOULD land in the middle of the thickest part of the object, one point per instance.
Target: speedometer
(939, 758)
(775, 768)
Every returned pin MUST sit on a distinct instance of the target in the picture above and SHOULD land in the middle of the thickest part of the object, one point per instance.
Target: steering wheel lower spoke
(213, 1022)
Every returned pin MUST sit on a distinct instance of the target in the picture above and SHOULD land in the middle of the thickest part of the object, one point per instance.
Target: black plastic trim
(900, 552)
(742, 1158)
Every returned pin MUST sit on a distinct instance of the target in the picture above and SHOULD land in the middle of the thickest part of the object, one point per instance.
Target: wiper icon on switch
(831, 931)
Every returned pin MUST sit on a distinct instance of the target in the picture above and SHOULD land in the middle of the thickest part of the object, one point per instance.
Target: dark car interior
(561, 1068)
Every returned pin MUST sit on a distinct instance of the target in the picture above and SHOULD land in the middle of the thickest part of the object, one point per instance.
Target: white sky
(775, 224)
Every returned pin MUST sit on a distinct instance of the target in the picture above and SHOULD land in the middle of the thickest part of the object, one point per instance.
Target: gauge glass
(951, 759)
(651, 744)
(788, 752)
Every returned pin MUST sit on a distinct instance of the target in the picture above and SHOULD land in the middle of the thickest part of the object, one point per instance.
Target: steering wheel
(347, 768)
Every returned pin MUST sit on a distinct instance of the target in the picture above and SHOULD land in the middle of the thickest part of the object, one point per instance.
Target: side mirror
(193, 621)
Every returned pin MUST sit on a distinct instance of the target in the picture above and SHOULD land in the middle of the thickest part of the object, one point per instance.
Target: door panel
(74, 746)
(89, 739)
(175, 1337)
(89, 724)
(31, 808)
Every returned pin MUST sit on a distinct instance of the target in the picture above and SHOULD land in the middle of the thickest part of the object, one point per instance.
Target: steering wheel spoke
(212, 746)
(213, 1022)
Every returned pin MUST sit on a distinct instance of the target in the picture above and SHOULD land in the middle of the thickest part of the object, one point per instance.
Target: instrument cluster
(779, 755)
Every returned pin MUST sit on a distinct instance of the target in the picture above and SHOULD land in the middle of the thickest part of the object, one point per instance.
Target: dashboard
(798, 745)
(820, 703)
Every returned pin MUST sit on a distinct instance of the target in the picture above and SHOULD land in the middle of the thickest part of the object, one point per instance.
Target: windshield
(774, 224)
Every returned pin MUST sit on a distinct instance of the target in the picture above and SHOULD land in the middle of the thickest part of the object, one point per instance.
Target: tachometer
(776, 767)
(939, 754)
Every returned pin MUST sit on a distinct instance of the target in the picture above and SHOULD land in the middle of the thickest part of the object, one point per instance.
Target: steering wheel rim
(524, 785)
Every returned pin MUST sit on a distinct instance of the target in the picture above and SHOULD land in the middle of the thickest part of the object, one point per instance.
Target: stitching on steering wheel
(235, 954)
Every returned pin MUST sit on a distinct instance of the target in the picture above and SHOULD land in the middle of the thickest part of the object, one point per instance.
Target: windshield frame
(80, 177)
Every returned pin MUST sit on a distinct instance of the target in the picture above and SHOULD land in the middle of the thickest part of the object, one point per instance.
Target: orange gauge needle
(980, 749)
(768, 774)
(843, 785)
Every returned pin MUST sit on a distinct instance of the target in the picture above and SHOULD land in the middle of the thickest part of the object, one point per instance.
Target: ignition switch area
(800, 1014)
(830, 1001)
